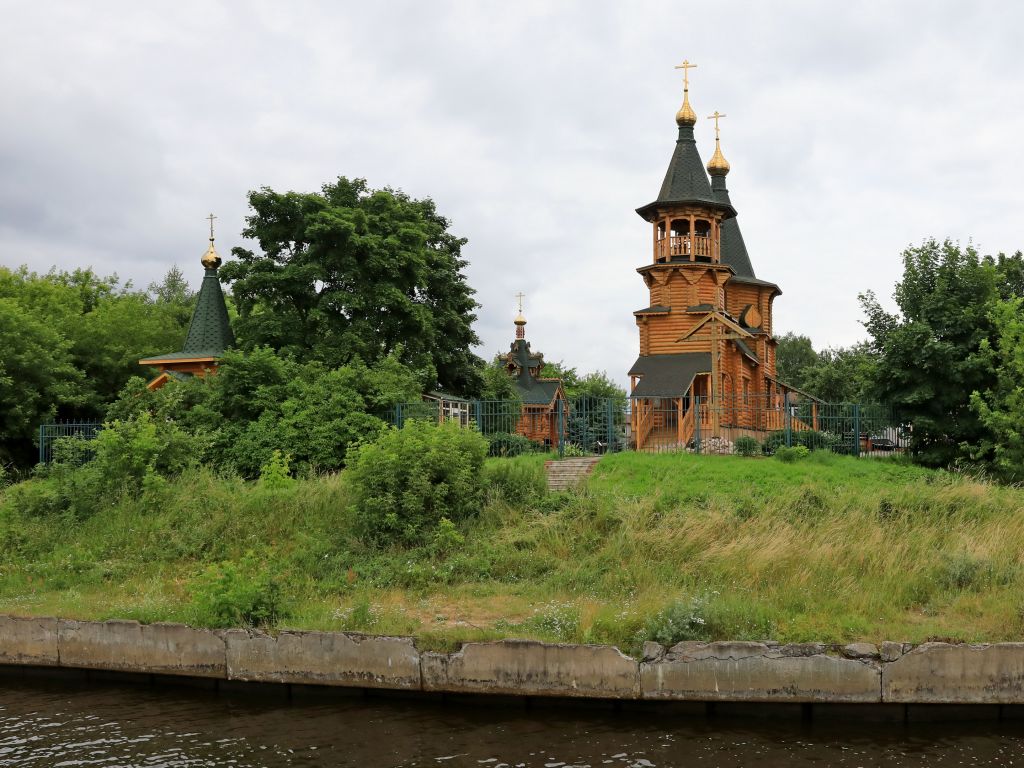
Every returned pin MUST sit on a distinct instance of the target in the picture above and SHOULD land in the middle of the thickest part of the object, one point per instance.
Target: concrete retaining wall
(894, 673)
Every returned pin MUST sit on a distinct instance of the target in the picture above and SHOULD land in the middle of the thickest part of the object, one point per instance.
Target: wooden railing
(644, 421)
(684, 246)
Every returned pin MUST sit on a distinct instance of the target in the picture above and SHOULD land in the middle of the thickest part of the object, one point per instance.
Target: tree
(932, 354)
(351, 272)
(841, 374)
(1001, 408)
(36, 377)
(793, 356)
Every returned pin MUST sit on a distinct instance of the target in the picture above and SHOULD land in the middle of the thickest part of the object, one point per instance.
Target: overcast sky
(853, 130)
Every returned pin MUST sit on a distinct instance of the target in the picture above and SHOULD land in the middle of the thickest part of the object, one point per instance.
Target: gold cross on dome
(716, 117)
(520, 296)
(211, 217)
(686, 66)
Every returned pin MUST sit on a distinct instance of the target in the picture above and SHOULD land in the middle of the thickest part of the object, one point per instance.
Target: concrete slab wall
(737, 672)
(530, 668)
(757, 672)
(323, 658)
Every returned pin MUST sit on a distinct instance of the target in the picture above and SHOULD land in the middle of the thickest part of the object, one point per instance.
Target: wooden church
(707, 355)
(544, 413)
(209, 333)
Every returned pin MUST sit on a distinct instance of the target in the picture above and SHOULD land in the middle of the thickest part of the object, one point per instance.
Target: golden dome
(718, 165)
(520, 320)
(211, 259)
(686, 115)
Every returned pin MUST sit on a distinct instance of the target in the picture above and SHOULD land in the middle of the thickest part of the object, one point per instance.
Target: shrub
(789, 455)
(126, 451)
(678, 621)
(815, 440)
(407, 479)
(745, 445)
(237, 594)
(507, 444)
(275, 474)
(515, 481)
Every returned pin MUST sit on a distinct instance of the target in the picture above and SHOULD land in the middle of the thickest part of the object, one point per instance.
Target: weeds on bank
(664, 547)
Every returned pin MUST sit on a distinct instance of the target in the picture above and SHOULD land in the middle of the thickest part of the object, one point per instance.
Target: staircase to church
(569, 473)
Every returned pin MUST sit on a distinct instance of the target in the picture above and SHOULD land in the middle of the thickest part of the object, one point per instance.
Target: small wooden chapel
(209, 333)
(707, 355)
(544, 413)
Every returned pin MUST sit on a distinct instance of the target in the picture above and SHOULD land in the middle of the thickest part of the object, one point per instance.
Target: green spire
(734, 249)
(209, 333)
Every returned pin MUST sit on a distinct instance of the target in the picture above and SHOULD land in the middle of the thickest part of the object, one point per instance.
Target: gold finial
(718, 165)
(211, 260)
(520, 321)
(686, 115)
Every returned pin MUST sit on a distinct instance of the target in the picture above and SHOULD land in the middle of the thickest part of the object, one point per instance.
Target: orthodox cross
(686, 66)
(520, 296)
(211, 217)
(716, 117)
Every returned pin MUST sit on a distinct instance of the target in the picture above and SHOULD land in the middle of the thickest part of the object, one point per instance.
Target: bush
(407, 479)
(789, 455)
(126, 451)
(515, 481)
(678, 621)
(507, 444)
(746, 445)
(233, 595)
(275, 474)
(816, 441)
(773, 442)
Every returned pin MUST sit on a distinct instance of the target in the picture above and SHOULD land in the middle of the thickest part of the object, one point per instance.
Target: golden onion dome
(211, 259)
(520, 320)
(686, 115)
(718, 165)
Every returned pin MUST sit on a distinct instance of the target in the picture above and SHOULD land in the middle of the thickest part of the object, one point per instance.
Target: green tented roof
(209, 333)
(210, 330)
(686, 181)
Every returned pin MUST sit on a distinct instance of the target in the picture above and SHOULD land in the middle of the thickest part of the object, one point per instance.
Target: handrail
(684, 245)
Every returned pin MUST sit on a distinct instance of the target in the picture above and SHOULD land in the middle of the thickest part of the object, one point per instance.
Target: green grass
(673, 545)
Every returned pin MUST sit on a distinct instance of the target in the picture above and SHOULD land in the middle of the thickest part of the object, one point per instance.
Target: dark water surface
(61, 723)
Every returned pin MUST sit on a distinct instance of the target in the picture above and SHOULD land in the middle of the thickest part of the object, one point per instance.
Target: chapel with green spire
(209, 333)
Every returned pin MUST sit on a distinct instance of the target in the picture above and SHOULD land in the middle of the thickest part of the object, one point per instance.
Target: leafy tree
(352, 272)
(36, 376)
(932, 354)
(1001, 408)
(841, 374)
(793, 356)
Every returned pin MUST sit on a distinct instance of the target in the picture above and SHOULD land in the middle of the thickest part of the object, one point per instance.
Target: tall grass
(669, 546)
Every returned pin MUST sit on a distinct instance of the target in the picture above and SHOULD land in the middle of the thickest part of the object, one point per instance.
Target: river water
(54, 724)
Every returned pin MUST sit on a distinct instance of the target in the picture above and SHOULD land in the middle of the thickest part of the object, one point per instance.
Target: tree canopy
(350, 272)
(70, 340)
(936, 350)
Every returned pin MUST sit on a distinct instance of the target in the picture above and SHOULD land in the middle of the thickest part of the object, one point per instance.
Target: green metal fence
(602, 425)
(591, 425)
(49, 434)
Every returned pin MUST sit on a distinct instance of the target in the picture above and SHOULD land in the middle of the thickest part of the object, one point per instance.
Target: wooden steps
(568, 473)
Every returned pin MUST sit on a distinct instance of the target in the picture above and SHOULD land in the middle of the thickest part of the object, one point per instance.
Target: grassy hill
(656, 546)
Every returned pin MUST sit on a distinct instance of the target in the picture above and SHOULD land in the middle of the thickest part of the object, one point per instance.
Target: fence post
(856, 429)
(788, 420)
(609, 413)
(697, 418)
(561, 433)
(41, 444)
